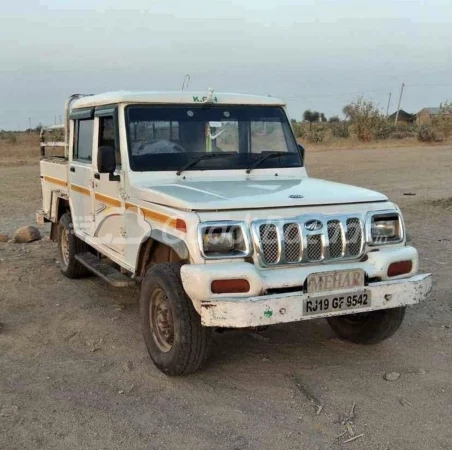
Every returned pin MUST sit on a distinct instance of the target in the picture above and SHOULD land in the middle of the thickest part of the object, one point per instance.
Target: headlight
(228, 239)
(385, 228)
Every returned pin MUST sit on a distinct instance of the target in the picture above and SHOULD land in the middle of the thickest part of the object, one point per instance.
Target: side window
(107, 136)
(83, 142)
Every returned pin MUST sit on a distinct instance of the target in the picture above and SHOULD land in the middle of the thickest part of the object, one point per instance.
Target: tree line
(365, 120)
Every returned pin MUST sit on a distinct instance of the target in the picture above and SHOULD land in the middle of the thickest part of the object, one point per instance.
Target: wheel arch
(160, 247)
(62, 206)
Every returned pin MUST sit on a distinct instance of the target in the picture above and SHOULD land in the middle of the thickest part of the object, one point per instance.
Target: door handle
(97, 176)
(72, 169)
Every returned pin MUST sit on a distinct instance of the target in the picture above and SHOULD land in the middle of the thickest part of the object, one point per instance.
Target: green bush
(11, 139)
(428, 133)
(316, 135)
(340, 129)
(383, 129)
(442, 122)
(367, 120)
(299, 129)
(403, 134)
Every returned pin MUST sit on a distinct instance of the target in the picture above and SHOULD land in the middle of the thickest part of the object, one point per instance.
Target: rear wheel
(368, 328)
(176, 341)
(68, 246)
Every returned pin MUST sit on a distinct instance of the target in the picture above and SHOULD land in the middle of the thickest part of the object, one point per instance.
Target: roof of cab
(159, 97)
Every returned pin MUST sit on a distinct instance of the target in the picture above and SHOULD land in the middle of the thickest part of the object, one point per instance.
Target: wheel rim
(65, 247)
(161, 320)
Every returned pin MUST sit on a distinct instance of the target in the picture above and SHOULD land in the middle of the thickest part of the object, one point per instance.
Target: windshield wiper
(259, 161)
(195, 161)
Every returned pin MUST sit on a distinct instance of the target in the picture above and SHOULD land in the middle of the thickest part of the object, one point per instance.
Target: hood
(252, 194)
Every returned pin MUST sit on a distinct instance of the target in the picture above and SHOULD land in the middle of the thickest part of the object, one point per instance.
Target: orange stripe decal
(80, 189)
(173, 222)
(108, 200)
(158, 217)
(55, 180)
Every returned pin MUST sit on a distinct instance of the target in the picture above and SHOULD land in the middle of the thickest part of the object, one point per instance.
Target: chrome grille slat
(315, 248)
(354, 236)
(289, 242)
(335, 239)
(292, 241)
(269, 242)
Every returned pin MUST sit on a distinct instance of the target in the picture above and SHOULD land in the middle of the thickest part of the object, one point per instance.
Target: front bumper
(239, 310)
(282, 308)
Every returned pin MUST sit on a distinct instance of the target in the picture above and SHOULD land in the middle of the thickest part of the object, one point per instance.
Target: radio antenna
(185, 82)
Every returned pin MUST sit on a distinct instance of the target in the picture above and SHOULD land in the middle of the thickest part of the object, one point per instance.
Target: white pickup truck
(204, 199)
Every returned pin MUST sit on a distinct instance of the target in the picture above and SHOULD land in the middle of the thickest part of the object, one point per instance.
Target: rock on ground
(4, 237)
(392, 376)
(8, 410)
(23, 235)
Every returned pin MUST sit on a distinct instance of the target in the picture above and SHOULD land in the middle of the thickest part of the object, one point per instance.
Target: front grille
(269, 243)
(289, 242)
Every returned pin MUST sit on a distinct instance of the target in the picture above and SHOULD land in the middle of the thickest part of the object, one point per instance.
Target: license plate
(335, 303)
(335, 281)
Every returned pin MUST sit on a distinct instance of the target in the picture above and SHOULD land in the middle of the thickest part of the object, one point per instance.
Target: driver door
(109, 203)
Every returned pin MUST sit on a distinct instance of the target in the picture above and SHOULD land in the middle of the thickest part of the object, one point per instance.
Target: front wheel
(176, 341)
(368, 328)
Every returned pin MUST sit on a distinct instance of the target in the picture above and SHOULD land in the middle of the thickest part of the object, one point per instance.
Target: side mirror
(301, 149)
(106, 159)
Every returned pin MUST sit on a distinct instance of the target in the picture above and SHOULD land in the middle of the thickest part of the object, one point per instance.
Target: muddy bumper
(261, 310)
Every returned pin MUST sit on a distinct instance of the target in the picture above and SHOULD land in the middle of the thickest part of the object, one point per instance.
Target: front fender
(177, 244)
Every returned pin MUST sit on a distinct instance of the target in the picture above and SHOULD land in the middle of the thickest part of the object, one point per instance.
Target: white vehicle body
(120, 218)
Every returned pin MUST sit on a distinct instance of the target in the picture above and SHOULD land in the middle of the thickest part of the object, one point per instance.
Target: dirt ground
(74, 371)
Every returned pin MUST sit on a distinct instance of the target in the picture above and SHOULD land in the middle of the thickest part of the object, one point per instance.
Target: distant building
(425, 115)
(403, 119)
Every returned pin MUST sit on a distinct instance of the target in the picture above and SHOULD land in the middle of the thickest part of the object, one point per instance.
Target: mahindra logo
(313, 225)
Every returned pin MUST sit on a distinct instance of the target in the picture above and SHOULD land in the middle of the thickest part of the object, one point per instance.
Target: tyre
(68, 246)
(176, 341)
(368, 328)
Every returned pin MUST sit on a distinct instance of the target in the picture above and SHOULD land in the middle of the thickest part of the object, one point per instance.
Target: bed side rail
(56, 134)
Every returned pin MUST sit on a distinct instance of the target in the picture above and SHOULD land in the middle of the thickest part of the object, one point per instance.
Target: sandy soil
(74, 372)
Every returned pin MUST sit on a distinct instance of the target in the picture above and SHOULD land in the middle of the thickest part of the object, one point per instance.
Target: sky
(314, 54)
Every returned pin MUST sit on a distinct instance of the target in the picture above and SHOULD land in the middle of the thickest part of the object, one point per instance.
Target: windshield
(169, 137)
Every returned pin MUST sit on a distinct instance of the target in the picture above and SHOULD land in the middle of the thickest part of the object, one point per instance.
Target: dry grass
(20, 149)
(24, 148)
(353, 143)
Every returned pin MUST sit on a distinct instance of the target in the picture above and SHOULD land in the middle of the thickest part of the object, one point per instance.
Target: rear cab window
(107, 136)
(83, 140)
